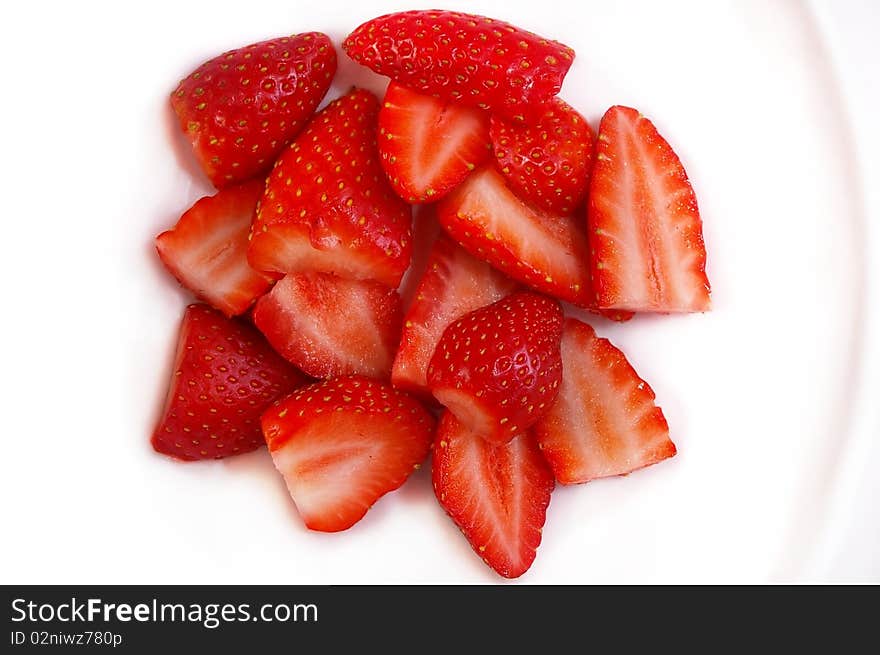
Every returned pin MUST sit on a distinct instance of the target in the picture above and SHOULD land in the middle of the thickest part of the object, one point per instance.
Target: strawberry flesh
(342, 444)
(497, 494)
(645, 231)
(241, 109)
(429, 146)
(604, 421)
(207, 249)
(327, 206)
(498, 368)
(468, 59)
(329, 326)
(224, 376)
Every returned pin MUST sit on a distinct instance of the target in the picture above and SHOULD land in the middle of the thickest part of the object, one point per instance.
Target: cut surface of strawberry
(548, 163)
(454, 283)
(548, 252)
(645, 231)
(473, 60)
(327, 206)
(224, 376)
(497, 494)
(498, 368)
(342, 444)
(428, 146)
(329, 326)
(240, 109)
(604, 421)
(207, 249)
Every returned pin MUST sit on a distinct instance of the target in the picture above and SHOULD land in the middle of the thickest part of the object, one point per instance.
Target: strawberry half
(224, 376)
(604, 421)
(645, 230)
(464, 58)
(330, 326)
(548, 252)
(327, 205)
(454, 284)
(498, 368)
(342, 444)
(429, 146)
(497, 494)
(242, 108)
(207, 250)
(548, 163)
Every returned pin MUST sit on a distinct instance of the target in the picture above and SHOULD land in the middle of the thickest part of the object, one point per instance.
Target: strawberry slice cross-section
(497, 494)
(645, 230)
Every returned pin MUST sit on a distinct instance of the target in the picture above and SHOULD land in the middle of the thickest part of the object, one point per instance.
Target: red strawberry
(472, 60)
(644, 225)
(207, 249)
(342, 444)
(454, 284)
(429, 146)
(546, 164)
(498, 368)
(224, 376)
(327, 205)
(242, 108)
(604, 421)
(331, 326)
(545, 251)
(497, 494)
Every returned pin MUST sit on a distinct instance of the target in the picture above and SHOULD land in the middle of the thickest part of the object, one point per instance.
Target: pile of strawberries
(305, 344)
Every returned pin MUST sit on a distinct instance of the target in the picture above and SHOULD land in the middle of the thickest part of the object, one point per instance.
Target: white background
(772, 397)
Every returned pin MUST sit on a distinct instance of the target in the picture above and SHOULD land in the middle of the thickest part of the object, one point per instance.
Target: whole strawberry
(469, 59)
(242, 108)
(498, 369)
(224, 376)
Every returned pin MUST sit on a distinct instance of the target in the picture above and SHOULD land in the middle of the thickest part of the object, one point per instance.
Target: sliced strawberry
(342, 444)
(330, 326)
(644, 225)
(498, 368)
(242, 108)
(468, 59)
(497, 494)
(454, 284)
(604, 421)
(548, 163)
(429, 146)
(327, 205)
(224, 376)
(546, 251)
(207, 250)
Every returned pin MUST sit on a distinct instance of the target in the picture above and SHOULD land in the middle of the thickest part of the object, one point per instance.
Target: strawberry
(498, 368)
(207, 250)
(548, 252)
(327, 206)
(454, 284)
(329, 326)
(342, 444)
(546, 164)
(429, 146)
(240, 110)
(604, 421)
(497, 494)
(644, 225)
(463, 58)
(224, 376)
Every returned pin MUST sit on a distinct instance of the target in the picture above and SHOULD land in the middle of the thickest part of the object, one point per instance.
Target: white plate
(759, 393)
